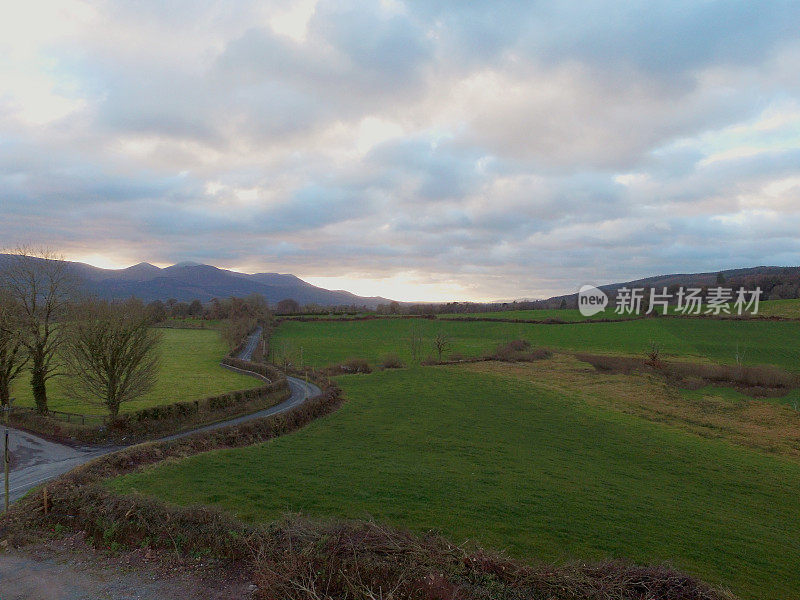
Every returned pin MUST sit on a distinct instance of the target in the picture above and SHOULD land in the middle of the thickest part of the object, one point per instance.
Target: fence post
(6, 460)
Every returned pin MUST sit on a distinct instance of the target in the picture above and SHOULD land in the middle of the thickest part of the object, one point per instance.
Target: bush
(352, 365)
(761, 378)
(615, 364)
(520, 351)
(392, 361)
(515, 346)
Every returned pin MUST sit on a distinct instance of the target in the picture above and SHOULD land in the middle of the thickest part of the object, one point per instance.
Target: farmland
(760, 342)
(189, 370)
(548, 473)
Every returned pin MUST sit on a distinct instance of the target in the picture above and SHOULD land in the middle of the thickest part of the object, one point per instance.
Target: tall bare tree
(41, 284)
(111, 353)
(13, 355)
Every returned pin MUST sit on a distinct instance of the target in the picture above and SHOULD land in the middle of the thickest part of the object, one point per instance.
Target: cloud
(504, 149)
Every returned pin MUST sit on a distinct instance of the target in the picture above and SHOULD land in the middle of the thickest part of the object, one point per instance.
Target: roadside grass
(512, 464)
(189, 370)
(326, 343)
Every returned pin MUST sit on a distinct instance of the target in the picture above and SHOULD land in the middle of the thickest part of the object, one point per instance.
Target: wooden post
(45, 500)
(6, 460)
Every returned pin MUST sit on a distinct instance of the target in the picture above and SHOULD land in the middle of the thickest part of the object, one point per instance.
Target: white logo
(591, 300)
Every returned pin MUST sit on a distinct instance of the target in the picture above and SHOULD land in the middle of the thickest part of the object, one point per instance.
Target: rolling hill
(189, 281)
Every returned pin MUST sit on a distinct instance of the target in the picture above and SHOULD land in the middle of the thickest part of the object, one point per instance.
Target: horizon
(355, 291)
(405, 150)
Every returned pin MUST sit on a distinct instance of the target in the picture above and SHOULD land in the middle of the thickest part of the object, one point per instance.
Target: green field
(788, 309)
(514, 465)
(566, 314)
(189, 370)
(762, 342)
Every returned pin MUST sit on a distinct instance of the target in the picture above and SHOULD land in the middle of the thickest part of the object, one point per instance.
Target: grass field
(762, 342)
(788, 309)
(190, 323)
(566, 314)
(189, 370)
(515, 465)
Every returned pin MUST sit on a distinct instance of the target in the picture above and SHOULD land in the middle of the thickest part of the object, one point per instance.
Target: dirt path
(70, 570)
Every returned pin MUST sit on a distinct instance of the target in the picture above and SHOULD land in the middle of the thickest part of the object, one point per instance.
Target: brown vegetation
(520, 351)
(111, 353)
(757, 381)
(233, 331)
(13, 356)
(392, 361)
(350, 366)
(624, 385)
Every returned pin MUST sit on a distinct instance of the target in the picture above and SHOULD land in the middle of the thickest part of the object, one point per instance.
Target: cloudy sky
(417, 150)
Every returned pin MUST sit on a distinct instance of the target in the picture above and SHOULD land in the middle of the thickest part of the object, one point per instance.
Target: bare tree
(13, 356)
(415, 343)
(442, 343)
(112, 354)
(234, 330)
(41, 284)
(288, 306)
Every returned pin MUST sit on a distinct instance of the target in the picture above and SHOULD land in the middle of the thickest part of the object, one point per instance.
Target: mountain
(707, 279)
(187, 281)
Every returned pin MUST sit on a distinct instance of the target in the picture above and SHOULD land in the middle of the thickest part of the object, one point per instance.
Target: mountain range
(188, 281)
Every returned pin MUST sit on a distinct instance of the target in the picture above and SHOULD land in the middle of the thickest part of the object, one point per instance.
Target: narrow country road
(36, 460)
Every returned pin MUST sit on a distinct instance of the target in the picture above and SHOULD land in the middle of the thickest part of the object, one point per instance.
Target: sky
(415, 150)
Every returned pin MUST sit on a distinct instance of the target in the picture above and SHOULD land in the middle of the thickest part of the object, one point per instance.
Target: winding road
(36, 460)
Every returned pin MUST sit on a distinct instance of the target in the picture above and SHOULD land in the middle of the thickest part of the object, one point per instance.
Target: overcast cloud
(419, 150)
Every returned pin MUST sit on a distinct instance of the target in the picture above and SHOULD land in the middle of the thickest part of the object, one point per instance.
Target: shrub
(759, 379)
(352, 365)
(520, 351)
(616, 364)
(392, 361)
(515, 346)
(654, 354)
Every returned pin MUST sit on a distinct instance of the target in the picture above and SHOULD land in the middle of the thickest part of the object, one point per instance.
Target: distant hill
(189, 281)
(775, 282)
